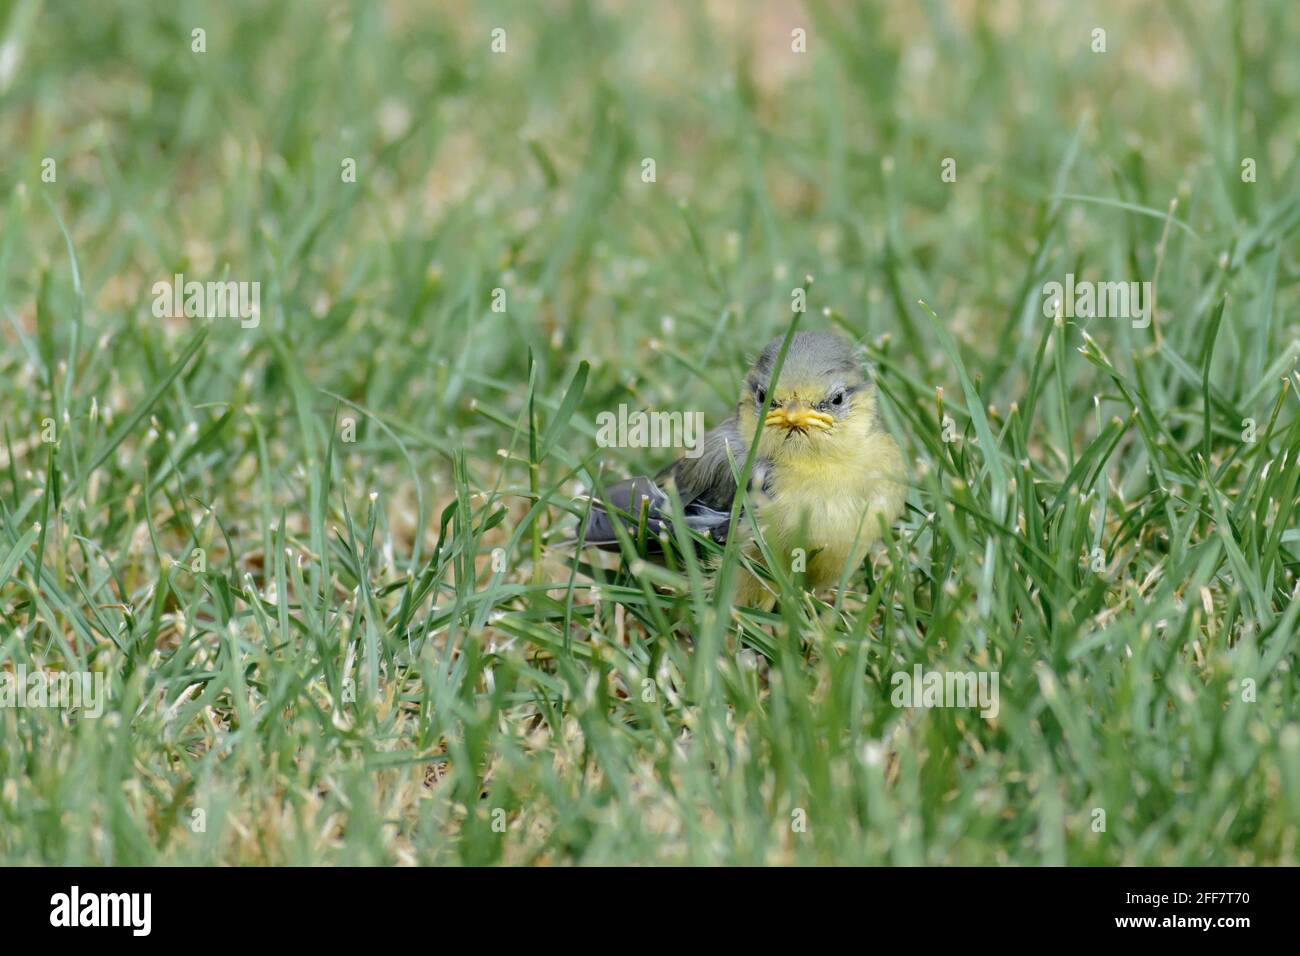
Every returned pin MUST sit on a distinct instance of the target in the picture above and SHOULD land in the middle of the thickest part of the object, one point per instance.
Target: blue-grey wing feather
(704, 484)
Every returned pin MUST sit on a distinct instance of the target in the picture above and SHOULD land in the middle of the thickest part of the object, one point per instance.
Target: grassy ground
(276, 542)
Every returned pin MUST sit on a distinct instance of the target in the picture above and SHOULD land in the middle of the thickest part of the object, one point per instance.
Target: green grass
(345, 678)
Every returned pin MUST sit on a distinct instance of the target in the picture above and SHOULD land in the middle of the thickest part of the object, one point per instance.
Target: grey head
(813, 358)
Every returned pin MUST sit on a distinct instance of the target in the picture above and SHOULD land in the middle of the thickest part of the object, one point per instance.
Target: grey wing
(623, 503)
(707, 478)
(704, 484)
(628, 501)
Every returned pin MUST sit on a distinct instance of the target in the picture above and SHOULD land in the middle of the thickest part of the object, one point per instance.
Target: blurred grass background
(346, 678)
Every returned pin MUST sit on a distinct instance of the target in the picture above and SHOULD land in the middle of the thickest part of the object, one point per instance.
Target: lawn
(314, 552)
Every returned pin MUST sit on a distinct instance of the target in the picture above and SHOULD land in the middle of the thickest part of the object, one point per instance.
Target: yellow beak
(798, 415)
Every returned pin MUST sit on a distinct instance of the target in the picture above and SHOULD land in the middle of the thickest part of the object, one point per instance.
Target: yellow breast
(832, 506)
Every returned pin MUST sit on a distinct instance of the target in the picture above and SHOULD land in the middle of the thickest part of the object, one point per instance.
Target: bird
(826, 482)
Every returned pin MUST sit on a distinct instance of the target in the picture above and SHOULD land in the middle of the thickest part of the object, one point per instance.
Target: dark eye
(760, 395)
(837, 399)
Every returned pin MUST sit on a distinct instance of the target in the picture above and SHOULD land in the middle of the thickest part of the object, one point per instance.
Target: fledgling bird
(827, 477)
